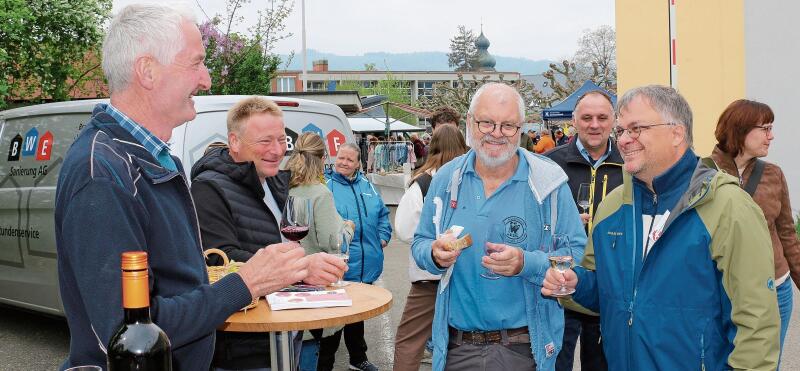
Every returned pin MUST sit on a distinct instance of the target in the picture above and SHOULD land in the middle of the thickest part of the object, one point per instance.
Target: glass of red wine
(296, 219)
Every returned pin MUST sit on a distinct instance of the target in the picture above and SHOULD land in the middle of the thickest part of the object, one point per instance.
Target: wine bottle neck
(137, 315)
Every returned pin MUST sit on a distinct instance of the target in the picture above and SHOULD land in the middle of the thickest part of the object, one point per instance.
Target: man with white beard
(489, 313)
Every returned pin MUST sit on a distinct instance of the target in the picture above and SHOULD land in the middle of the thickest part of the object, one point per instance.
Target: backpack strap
(755, 177)
(424, 182)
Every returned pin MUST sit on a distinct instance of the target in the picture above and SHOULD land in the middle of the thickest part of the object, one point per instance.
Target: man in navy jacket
(121, 190)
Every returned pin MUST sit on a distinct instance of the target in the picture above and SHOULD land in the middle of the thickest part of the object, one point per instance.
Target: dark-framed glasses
(767, 128)
(636, 130)
(508, 129)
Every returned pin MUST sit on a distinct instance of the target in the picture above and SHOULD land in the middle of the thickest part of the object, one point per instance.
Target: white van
(37, 138)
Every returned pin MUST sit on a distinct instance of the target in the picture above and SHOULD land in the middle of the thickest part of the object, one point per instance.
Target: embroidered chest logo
(516, 229)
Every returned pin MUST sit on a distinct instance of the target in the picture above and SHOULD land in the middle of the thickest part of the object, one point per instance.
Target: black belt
(510, 336)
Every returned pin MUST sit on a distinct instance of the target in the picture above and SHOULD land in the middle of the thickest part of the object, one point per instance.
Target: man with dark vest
(239, 195)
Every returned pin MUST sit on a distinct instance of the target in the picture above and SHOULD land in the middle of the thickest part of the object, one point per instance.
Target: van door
(35, 146)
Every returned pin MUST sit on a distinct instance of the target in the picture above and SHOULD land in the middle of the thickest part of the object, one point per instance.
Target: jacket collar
(544, 175)
(151, 168)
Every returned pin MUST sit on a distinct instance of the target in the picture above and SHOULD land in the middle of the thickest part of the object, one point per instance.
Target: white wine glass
(583, 197)
(561, 262)
(340, 247)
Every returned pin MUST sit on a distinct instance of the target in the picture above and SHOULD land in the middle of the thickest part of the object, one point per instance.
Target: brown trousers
(415, 326)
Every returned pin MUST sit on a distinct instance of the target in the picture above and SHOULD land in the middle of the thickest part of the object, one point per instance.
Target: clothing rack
(388, 156)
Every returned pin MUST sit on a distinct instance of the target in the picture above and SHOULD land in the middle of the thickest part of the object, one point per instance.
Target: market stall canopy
(563, 110)
(371, 124)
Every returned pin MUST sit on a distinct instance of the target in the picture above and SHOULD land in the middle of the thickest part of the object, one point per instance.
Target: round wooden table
(368, 301)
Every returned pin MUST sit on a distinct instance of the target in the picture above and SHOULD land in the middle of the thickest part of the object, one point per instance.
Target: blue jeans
(785, 307)
(309, 355)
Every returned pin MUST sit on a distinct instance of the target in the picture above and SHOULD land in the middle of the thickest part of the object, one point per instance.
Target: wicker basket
(216, 272)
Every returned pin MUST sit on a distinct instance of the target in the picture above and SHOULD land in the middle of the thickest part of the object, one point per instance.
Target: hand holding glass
(296, 219)
(341, 250)
(561, 263)
(496, 234)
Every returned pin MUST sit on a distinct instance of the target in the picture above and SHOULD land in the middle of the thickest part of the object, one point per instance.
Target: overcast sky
(533, 29)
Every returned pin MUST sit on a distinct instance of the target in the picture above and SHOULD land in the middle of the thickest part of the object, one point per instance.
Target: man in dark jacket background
(241, 194)
(591, 159)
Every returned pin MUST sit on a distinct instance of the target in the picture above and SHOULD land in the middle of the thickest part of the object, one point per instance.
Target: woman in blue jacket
(357, 200)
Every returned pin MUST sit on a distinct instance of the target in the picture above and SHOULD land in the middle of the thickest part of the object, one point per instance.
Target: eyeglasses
(506, 128)
(767, 128)
(635, 130)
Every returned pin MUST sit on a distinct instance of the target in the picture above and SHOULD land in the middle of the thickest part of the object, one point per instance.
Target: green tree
(44, 46)
(463, 54)
(396, 91)
(459, 95)
(244, 63)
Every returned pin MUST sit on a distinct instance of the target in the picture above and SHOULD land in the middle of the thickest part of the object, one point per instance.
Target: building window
(425, 89)
(317, 86)
(286, 84)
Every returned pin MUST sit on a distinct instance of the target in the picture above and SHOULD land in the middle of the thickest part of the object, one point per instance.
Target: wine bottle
(139, 344)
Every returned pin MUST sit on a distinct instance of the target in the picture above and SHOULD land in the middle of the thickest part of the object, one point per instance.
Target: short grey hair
(141, 29)
(353, 147)
(474, 101)
(665, 100)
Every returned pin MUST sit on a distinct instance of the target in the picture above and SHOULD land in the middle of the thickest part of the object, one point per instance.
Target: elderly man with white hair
(120, 190)
(489, 313)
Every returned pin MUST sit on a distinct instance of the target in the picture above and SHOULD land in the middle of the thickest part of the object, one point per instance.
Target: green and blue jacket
(703, 295)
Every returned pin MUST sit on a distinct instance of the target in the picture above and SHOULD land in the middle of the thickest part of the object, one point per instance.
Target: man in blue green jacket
(486, 322)
(679, 264)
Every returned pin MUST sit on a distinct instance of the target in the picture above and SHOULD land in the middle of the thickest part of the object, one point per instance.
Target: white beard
(493, 162)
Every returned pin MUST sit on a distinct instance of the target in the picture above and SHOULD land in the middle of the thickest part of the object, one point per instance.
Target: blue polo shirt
(478, 303)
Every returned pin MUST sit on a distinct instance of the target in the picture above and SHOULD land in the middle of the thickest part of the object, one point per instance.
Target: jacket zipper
(591, 200)
(360, 229)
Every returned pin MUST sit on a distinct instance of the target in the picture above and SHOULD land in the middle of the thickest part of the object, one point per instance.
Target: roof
(370, 124)
(564, 109)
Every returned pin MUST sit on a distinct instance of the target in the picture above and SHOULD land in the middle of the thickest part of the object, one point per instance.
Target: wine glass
(559, 262)
(296, 219)
(583, 197)
(341, 249)
(496, 234)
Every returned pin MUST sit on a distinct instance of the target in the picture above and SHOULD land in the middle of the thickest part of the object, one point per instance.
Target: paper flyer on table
(310, 299)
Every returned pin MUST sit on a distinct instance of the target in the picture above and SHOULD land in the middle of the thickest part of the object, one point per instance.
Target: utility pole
(304, 76)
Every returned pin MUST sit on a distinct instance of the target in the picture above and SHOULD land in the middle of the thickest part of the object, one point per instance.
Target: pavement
(30, 341)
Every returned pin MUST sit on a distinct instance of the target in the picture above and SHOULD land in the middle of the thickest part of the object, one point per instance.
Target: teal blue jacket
(357, 200)
(703, 298)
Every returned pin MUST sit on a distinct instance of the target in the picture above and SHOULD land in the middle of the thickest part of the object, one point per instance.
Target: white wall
(772, 56)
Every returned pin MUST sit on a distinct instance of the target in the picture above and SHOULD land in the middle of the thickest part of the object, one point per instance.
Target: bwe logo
(31, 145)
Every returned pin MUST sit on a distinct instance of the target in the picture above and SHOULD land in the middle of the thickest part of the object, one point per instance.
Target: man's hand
(553, 280)
(585, 219)
(383, 243)
(442, 256)
(324, 269)
(504, 259)
(274, 267)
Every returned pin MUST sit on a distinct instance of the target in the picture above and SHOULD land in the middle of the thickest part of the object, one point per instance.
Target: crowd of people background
(682, 262)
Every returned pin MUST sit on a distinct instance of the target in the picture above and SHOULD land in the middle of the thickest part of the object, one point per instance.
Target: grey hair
(354, 147)
(665, 100)
(141, 29)
(474, 101)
